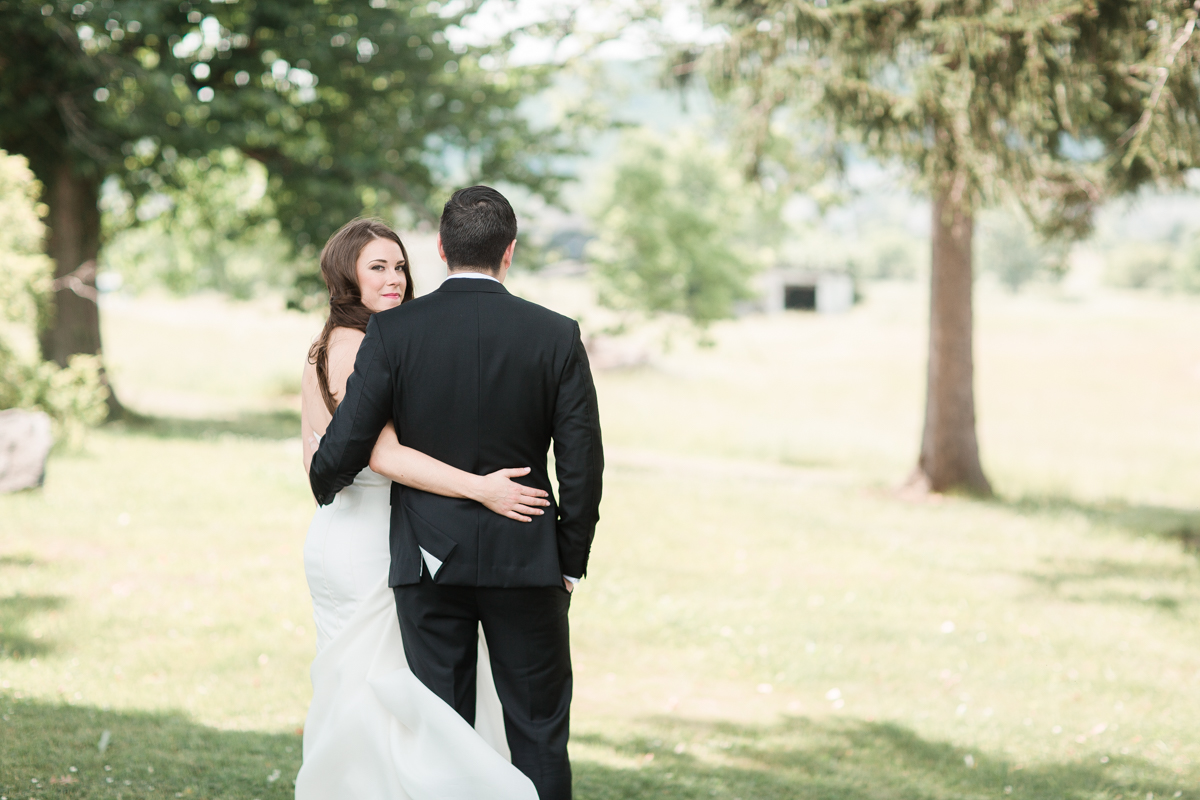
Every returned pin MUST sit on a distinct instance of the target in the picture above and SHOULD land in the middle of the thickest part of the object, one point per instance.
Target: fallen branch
(77, 281)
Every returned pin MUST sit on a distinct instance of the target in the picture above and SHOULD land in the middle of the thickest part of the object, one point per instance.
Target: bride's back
(314, 414)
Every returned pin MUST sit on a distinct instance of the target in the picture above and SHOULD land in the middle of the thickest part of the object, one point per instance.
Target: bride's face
(380, 271)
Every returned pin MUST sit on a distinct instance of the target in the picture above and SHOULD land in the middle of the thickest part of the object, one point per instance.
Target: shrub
(73, 396)
(1168, 265)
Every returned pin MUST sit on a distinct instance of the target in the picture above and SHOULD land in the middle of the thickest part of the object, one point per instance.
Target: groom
(481, 380)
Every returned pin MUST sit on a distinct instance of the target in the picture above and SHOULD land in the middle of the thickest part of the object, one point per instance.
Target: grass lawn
(764, 616)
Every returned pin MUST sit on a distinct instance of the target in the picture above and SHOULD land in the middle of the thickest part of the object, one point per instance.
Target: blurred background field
(766, 616)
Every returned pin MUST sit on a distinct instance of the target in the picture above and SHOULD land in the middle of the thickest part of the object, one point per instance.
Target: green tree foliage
(220, 233)
(1055, 105)
(1012, 250)
(73, 396)
(673, 225)
(334, 98)
(346, 104)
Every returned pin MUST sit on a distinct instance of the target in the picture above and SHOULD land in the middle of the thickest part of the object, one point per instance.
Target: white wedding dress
(375, 732)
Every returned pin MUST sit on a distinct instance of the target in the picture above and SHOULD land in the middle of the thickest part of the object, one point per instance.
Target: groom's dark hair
(476, 228)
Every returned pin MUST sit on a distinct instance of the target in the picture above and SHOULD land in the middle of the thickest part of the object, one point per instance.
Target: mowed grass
(764, 616)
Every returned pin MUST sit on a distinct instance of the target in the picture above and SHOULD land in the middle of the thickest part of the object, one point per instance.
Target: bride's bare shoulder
(343, 342)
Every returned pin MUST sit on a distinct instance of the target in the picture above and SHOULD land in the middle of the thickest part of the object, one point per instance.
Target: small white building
(787, 289)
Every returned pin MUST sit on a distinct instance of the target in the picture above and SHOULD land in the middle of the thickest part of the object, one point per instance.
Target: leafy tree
(347, 104)
(672, 231)
(1056, 104)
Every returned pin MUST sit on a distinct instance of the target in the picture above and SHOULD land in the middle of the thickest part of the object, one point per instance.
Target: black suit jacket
(481, 380)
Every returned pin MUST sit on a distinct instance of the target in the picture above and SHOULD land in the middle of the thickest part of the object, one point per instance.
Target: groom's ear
(506, 261)
(441, 252)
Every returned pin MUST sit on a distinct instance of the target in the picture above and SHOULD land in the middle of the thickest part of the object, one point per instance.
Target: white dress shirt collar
(471, 275)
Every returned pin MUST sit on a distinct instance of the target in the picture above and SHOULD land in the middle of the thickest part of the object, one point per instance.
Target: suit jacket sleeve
(345, 449)
(579, 461)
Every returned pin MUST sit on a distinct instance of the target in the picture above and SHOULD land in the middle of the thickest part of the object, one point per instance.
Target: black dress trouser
(528, 638)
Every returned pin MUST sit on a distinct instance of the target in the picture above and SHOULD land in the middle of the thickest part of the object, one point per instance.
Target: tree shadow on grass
(257, 425)
(1168, 587)
(1154, 586)
(837, 760)
(147, 755)
(164, 754)
(1160, 522)
(15, 642)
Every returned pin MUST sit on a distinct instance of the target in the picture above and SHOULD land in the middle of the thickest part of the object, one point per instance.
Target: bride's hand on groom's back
(499, 493)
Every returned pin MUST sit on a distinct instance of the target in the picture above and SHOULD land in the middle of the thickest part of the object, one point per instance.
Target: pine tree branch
(1134, 135)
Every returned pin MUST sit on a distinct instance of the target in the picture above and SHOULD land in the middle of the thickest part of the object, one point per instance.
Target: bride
(373, 729)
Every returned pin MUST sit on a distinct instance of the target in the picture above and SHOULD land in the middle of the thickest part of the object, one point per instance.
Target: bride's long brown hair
(346, 310)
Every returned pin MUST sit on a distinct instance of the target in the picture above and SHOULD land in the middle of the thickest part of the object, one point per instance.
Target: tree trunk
(949, 450)
(72, 325)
